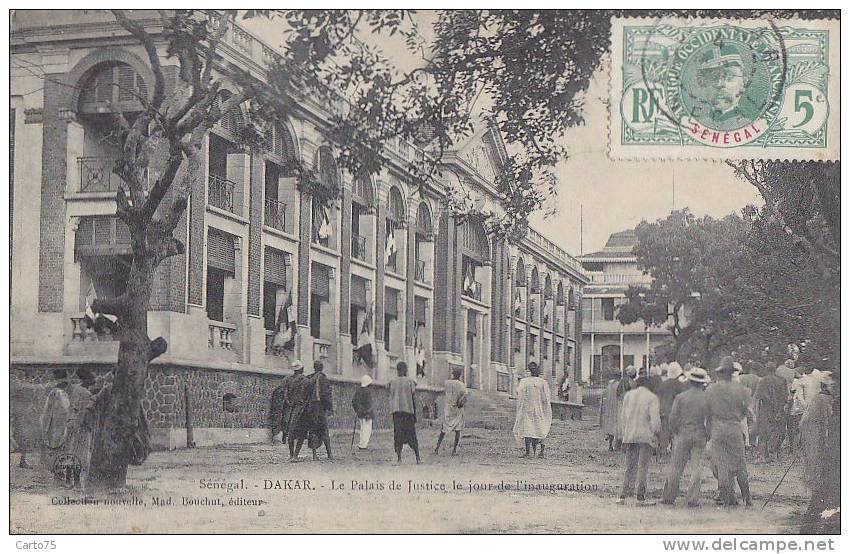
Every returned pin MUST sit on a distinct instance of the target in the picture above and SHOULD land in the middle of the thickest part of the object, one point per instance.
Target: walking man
(455, 400)
(299, 397)
(640, 421)
(277, 407)
(403, 406)
(321, 403)
(687, 423)
(771, 397)
(362, 405)
(609, 413)
(728, 404)
(533, 412)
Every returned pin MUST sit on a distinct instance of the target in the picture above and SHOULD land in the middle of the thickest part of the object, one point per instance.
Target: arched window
(560, 294)
(281, 142)
(322, 228)
(423, 220)
(364, 191)
(519, 277)
(535, 281)
(473, 239)
(547, 287)
(117, 83)
(328, 170)
(233, 121)
(396, 206)
(571, 303)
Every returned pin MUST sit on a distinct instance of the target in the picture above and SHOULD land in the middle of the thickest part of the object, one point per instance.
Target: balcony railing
(275, 215)
(620, 278)
(221, 336)
(96, 175)
(420, 271)
(85, 331)
(358, 247)
(321, 349)
(221, 192)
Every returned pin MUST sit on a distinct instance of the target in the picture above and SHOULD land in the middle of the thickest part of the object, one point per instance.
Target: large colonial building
(437, 293)
(608, 344)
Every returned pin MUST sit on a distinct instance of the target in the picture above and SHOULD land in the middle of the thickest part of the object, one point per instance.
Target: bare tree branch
(142, 36)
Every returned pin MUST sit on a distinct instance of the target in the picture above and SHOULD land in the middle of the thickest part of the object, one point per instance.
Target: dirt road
(571, 491)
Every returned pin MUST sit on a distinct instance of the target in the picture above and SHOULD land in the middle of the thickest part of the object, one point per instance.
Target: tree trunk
(120, 408)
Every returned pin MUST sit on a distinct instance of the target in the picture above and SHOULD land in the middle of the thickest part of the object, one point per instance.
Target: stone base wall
(241, 419)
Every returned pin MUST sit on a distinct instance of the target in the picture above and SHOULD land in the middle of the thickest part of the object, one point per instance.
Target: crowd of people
(300, 406)
(72, 412)
(701, 419)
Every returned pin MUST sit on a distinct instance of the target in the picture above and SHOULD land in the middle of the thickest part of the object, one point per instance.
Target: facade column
(410, 275)
(345, 265)
(622, 369)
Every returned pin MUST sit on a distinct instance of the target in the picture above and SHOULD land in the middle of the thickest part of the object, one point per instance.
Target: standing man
(321, 403)
(771, 397)
(609, 414)
(640, 421)
(54, 418)
(361, 402)
(533, 412)
(299, 398)
(277, 407)
(687, 423)
(675, 383)
(403, 406)
(728, 404)
(750, 379)
(455, 400)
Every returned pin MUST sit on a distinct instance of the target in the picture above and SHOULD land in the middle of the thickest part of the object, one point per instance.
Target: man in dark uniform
(321, 403)
(277, 405)
(298, 399)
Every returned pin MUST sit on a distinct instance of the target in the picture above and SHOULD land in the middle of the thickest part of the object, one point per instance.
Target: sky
(613, 195)
(617, 195)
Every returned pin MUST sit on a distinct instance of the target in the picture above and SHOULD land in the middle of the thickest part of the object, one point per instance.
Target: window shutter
(391, 302)
(358, 292)
(420, 308)
(320, 281)
(221, 253)
(275, 266)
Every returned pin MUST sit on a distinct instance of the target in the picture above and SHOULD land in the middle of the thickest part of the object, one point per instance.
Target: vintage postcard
(410, 271)
(725, 89)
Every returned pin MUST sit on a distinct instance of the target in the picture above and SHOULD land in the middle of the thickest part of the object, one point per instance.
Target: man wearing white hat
(687, 423)
(362, 404)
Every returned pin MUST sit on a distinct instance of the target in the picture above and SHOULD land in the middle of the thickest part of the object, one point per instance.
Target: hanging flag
(364, 340)
(469, 284)
(284, 338)
(325, 228)
(390, 249)
(419, 351)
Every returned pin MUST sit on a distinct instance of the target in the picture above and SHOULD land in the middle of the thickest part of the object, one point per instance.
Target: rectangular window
(546, 346)
(628, 359)
(215, 292)
(316, 315)
(608, 309)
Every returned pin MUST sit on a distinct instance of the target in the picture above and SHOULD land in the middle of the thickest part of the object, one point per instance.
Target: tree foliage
(740, 285)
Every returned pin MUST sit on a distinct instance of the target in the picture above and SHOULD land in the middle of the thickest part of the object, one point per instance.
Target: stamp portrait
(724, 89)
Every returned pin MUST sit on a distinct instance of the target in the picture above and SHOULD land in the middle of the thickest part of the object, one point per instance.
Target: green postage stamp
(724, 89)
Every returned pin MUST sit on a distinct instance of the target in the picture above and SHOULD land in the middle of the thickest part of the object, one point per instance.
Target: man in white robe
(533, 412)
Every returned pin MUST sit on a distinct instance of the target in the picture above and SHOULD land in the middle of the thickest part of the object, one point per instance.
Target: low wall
(241, 420)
